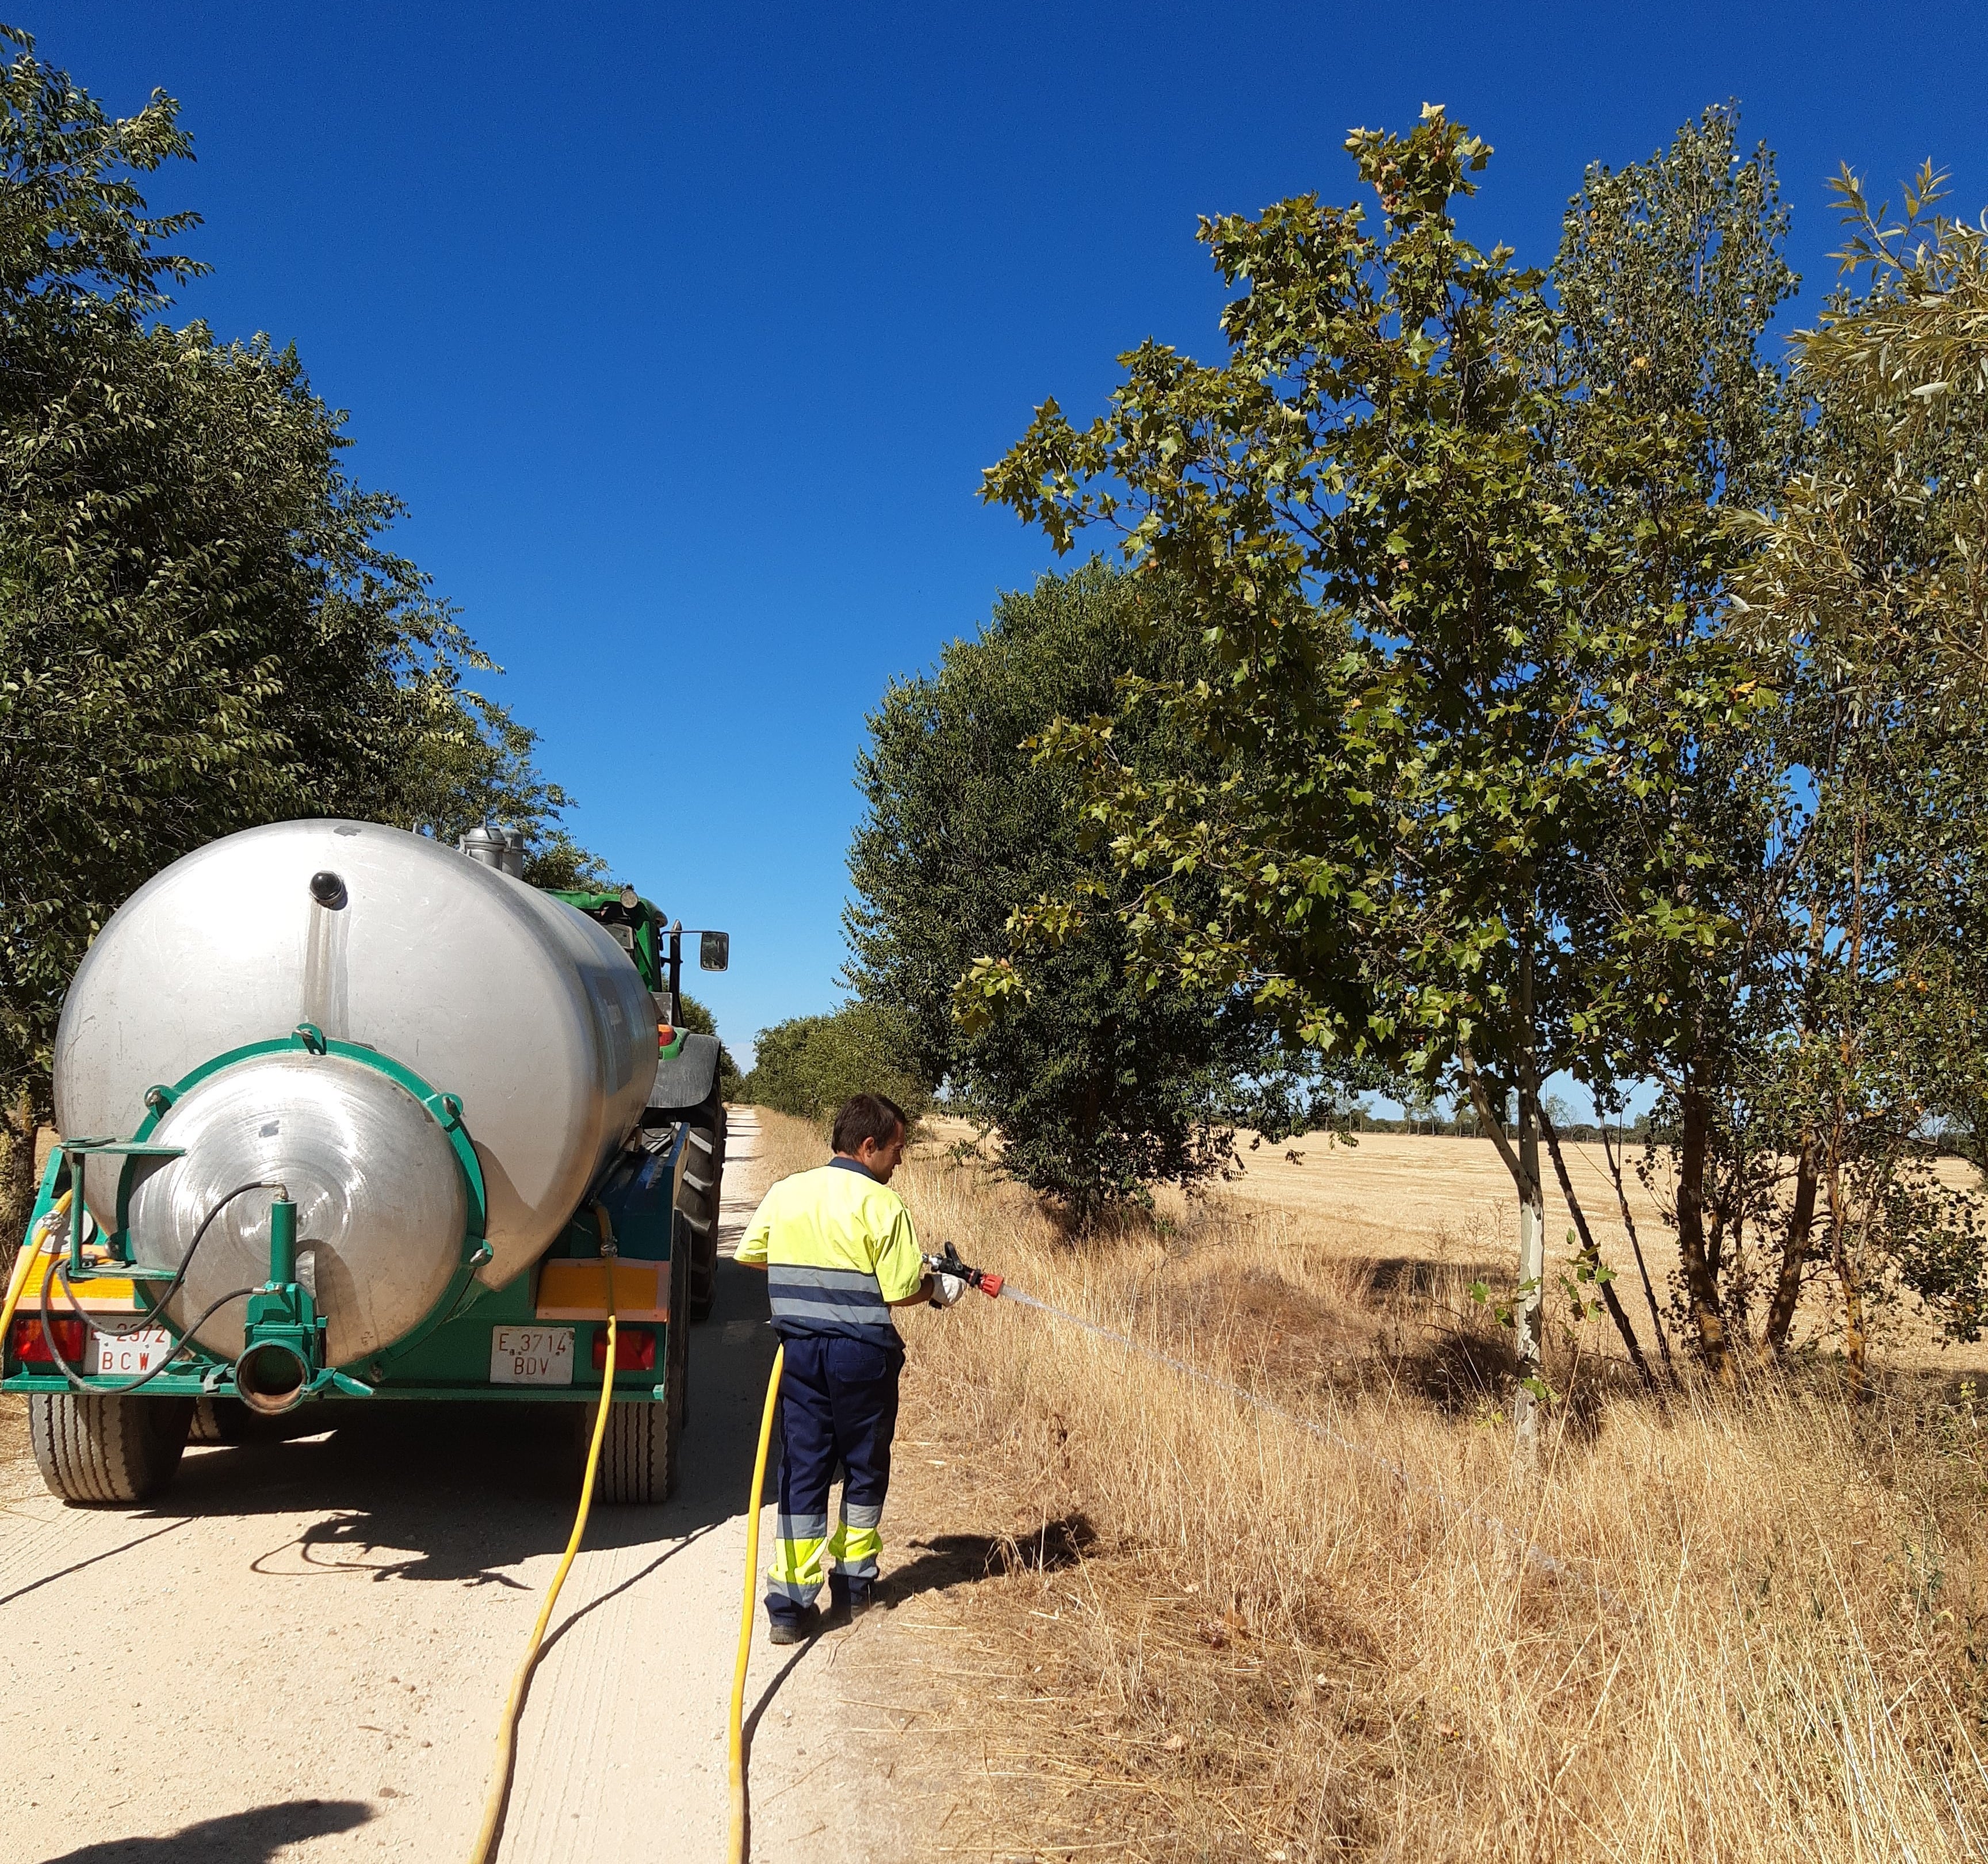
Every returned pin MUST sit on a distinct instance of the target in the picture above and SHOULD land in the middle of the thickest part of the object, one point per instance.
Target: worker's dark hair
(866, 1116)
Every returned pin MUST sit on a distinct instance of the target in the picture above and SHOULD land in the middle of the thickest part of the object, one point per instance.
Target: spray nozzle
(985, 1279)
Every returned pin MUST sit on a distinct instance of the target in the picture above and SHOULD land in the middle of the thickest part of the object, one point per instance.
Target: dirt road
(301, 1653)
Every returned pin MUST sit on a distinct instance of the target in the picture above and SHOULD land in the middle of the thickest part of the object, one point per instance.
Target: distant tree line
(808, 1066)
(1508, 675)
(201, 628)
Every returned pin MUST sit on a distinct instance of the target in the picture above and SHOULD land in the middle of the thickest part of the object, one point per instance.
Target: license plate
(133, 1353)
(531, 1355)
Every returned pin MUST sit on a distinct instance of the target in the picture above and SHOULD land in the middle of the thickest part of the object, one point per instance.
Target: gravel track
(302, 1652)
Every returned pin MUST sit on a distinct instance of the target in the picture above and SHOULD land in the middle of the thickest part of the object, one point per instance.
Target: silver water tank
(524, 1009)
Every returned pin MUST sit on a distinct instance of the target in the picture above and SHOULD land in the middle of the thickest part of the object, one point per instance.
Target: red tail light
(634, 1349)
(30, 1345)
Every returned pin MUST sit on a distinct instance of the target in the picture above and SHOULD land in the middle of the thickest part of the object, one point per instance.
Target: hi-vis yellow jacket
(838, 1247)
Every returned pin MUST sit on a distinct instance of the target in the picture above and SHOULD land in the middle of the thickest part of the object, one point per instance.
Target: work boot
(789, 1630)
(846, 1603)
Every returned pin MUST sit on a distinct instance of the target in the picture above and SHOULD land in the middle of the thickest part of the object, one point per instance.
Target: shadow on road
(240, 1838)
(76, 1566)
(420, 1491)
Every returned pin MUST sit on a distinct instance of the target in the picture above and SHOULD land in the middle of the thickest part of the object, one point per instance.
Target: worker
(839, 1250)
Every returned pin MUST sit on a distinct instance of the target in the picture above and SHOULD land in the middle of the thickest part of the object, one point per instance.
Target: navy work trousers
(838, 1404)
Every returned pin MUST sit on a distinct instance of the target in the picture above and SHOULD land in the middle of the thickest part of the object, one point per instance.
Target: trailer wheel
(700, 1189)
(640, 1452)
(220, 1420)
(106, 1447)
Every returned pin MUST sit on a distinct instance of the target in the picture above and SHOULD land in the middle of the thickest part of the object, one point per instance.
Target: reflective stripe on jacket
(839, 1247)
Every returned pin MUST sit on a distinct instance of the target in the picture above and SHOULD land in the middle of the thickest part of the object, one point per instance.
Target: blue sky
(685, 333)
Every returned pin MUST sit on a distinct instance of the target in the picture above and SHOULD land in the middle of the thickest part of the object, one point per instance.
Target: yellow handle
(737, 1849)
(37, 1245)
(507, 1735)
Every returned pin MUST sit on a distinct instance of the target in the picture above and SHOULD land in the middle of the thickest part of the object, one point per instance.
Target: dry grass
(1186, 1628)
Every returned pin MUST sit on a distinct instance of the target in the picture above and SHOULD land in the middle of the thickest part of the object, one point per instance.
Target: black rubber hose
(118, 1390)
(179, 1274)
(60, 1272)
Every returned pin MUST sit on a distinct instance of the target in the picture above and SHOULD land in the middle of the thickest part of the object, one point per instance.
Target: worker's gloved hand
(946, 1289)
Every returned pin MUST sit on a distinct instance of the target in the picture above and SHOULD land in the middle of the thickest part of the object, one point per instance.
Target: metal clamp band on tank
(282, 1360)
(445, 1109)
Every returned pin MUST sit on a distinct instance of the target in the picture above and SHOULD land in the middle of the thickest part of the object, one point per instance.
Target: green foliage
(1587, 692)
(693, 1016)
(1100, 1085)
(1427, 553)
(199, 629)
(1668, 274)
(1863, 585)
(808, 1066)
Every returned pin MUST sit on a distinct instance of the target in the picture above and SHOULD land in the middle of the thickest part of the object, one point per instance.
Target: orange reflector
(570, 1290)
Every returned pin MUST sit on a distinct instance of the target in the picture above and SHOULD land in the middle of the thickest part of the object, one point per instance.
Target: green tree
(1668, 274)
(808, 1066)
(1419, 545)
(1865, 582)
(1100, 1085)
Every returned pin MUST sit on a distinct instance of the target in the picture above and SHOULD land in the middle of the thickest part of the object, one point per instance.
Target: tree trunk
(1527, 1303)
(1590, 1253)
(1801, 1219)
(1635, 1245)
(20, 1122)
(1532, 1224)
(1846, 1276)
(1795, 1252)
(1701, 1285)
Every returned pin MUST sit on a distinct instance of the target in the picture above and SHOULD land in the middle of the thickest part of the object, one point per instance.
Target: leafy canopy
(1419, 547)
(1099, 1086)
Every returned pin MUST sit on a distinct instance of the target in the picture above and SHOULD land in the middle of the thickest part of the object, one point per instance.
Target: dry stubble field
(1144, 1620)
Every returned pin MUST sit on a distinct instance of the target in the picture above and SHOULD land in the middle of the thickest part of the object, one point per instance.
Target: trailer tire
(222, 1420)
(704, 1164)
(640, 1452)
(106, 1447)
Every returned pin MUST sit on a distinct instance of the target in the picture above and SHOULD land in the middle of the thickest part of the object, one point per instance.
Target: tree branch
(1480, 1099)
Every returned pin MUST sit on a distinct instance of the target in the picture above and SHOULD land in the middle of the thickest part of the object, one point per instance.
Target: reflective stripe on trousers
(838, 1406)
(796, 1574)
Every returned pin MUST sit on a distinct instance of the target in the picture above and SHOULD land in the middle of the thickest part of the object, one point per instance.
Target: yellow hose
(37, 1245)
(507, 1735)
(737, 1849)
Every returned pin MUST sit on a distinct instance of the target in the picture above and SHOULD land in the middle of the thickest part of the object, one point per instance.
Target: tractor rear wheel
(108, 1446)
(699, 1191)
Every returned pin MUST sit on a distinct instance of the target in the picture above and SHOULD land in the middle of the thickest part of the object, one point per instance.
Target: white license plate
(531, 1355)
(133, 1353)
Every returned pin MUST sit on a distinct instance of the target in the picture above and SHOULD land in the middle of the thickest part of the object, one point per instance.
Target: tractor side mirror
(714, 951)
